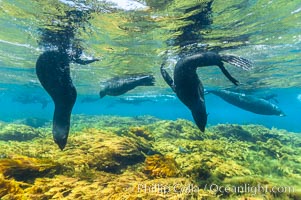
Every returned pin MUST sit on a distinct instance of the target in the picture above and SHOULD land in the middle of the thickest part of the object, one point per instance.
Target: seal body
(122, 84)
(53, 71)
(189, 88)
(248, 102)
(187, 85)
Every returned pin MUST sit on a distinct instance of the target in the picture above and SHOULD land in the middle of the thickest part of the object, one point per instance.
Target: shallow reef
(111, 157)
(17, 132)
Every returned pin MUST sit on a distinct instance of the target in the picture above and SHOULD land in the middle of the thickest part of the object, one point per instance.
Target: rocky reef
(17, 132)
(146, 158)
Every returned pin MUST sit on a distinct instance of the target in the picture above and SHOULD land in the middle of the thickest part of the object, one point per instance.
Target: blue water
(133, 37)
(160, 106)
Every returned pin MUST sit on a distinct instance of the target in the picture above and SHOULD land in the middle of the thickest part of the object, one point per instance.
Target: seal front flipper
(144, 80)
(227, 74)
(237, 61)
(271, 97)
(167, 78)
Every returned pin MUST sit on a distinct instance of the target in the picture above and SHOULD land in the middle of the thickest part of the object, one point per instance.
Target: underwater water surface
(144, 144)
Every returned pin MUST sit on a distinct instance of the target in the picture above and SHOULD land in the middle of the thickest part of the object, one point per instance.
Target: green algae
(141, 158)
(17, 132)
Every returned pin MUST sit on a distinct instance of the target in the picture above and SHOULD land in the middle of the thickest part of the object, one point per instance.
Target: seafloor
(147, 158)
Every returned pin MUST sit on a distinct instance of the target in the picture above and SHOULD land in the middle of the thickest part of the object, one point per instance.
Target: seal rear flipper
(167, 78)
(228, 75)
(237, 61)
(148, 80)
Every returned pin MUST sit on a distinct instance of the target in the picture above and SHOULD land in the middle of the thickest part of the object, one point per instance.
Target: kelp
(147, 158)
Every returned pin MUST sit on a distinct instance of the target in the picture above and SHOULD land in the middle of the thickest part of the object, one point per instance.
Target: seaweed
(17, 132)
(161, 166)
(114, 161)
(24, 168)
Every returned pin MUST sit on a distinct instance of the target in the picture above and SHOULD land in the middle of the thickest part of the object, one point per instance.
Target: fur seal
(189, 88)
(119, 85)
(53, 71)
(248, 102)
(31, 99)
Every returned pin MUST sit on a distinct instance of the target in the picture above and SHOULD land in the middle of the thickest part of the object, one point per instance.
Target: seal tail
(237, 61)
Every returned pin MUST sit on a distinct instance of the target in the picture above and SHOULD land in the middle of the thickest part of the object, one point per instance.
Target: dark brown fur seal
(122, 84)
(249, 102)
(53, 71)
(187, 85)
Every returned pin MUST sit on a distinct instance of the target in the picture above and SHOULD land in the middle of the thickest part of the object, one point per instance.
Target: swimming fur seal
(53, 71)
(119, 85)
(248, 102)
(31, 99)
(187, 85)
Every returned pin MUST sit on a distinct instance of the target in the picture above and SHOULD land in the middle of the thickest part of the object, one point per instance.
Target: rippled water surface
(137, 36)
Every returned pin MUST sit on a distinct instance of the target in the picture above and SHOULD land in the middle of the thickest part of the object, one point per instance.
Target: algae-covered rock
(33, 122)
(176, 129)
(254, 133)
(161, 166)
(231, 169)
(10, 189)
(103, 150)
(141, 132)
(126, 186)
(25, 168)
(129, 161)
(17, 132)
(233, 132)
(81, 122)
